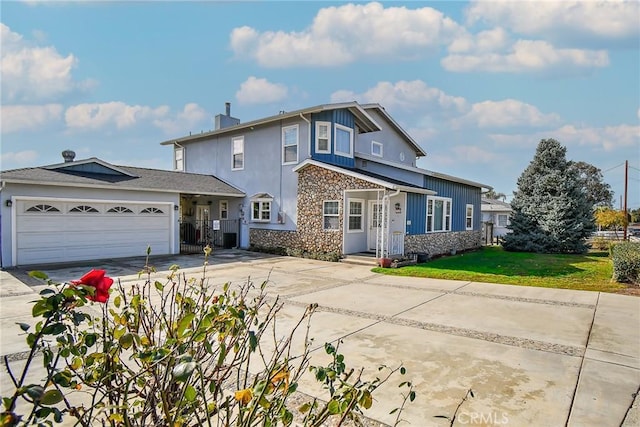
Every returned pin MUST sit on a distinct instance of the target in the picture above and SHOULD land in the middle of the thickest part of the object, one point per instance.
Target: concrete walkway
(532, 356)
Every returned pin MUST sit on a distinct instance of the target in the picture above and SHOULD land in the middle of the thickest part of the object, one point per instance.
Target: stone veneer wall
(315, 185)
(443, 243)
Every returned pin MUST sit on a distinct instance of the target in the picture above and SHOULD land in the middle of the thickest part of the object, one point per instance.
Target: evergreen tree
(550, 211)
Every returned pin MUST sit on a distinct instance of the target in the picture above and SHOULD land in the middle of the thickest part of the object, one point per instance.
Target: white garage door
(50, 231)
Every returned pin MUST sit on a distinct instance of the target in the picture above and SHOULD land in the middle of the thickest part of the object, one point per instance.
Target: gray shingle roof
(137, 179)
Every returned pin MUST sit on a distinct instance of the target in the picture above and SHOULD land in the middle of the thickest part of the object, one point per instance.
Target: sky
(477, 84)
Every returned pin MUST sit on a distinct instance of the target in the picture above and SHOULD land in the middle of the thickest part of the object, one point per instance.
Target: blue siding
(416, 213)
(342, 117)
(460, 195)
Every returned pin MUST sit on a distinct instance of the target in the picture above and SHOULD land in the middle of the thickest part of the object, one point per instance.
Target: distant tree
(550, 212)
(598, 193)
(609, 219)
(635, 215)
(491, 194)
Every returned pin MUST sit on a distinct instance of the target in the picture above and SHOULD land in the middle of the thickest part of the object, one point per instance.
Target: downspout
(385, 220)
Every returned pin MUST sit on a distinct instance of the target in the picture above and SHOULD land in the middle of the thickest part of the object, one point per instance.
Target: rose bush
(178, 353)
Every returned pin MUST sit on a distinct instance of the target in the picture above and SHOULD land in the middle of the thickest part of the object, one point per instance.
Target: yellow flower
(244, 396)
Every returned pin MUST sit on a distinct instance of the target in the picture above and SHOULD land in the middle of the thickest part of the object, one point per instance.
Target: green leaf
(366, 400)
(51, 397)
(412, 396)
(183, 371)
(24, 326)
(117, 301)
(126, 341)
(90, 339)
(34, 391)
(40, 307)
(333, 407)
(54, 329)
(184, 323)
(159, 286)
(38, 275)
(190, 393)
(305, 408)
(253, 341)
(403, 370)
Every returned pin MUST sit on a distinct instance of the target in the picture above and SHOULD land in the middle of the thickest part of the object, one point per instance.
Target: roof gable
(90, 166)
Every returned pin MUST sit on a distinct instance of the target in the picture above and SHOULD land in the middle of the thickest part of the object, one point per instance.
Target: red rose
(96, 279)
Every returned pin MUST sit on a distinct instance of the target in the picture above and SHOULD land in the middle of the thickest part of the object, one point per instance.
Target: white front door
(375, 224)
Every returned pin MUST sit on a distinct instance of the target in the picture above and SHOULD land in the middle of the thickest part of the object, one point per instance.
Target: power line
(615, 167)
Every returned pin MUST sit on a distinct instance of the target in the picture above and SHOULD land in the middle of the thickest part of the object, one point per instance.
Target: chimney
(68, 156)
(225, 120)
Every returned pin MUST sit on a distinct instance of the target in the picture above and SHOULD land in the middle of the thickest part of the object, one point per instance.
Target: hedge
(626, 262)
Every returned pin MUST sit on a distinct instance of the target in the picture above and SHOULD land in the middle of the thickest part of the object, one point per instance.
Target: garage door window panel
(120, 210)
(42, 209)
(151, 211)
(83, 209)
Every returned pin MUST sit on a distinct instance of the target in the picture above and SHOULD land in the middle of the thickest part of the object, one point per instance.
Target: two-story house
(335, 178)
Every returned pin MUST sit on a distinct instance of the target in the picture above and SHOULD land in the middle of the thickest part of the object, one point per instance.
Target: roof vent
(68, 156)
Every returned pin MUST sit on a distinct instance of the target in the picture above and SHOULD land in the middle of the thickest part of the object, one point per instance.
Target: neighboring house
(336, 178)
(496, 217)
(90, 210)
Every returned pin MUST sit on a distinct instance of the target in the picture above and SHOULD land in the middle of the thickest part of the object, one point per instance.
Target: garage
(63, 230)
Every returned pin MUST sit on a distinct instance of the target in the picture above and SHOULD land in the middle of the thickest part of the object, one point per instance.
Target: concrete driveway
(532, 356)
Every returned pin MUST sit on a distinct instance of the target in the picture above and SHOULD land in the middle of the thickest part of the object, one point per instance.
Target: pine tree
(550, 211)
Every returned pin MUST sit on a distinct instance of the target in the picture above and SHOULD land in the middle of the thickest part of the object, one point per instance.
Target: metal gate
(195, 235)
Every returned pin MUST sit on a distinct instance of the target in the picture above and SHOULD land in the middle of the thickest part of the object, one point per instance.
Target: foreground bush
(177, 353)
(626, 262)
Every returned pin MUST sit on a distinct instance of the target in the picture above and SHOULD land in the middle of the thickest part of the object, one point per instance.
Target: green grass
(590, 272)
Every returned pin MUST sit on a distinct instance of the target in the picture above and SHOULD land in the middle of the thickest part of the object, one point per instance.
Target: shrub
(626, 262)
(178, 353)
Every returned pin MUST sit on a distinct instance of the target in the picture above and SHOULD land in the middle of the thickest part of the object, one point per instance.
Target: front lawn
(492, 264)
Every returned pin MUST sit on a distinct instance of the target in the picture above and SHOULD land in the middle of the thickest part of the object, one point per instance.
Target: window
(84, 209)
(503, 220)
(323, 137)
(355, 215)
(43, 208)
(224, 209)
(344, 140)
(120, 209)
(290, 144)
(438, 214)
(376, 148)
(330, 219)
(261, 210)
(151, 211)
(178, 158)
(238, 153)
(469, 217)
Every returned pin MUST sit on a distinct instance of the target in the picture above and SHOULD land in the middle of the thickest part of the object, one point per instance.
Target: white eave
(375, 181)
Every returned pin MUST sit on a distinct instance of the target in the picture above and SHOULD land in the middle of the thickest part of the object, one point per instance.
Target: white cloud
(260, 91)
(493, 40)
(191, 115)
(33, 73)
(578, 23)
(528, 56)
(414, 96)
(507, 113)
(19, 157)
(28, 117)
(97, 116)
(347, 33)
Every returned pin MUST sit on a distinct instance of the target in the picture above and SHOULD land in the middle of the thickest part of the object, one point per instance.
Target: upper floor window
(330, 219)
(469, 217)
(438, 214)
(224, 209)
(376, 148)
(290, 144)
(323, 137)
(237, 161)
(503, 220)
(344, 140)
(178, 158)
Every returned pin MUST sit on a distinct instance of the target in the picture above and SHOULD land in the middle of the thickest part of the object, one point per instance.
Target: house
(335, 178)
(90, 209)
(495, 219)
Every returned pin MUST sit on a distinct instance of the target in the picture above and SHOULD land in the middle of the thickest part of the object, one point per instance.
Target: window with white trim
(178, 158)
(330, 219)
(376, 148)
(290, 144)
(237, 160)
(224, 209)
(323, 137)
(344, 140)
(469, 217)
(261, 210)
(438, 214)
(503, 220)
(355, 215)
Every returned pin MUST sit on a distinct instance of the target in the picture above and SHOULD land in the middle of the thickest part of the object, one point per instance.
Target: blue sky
(477, 84)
